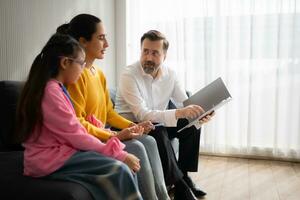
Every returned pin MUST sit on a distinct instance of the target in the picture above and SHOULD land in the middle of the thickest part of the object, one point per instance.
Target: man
(145, 90)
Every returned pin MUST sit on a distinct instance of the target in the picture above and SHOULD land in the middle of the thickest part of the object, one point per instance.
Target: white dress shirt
(147, 98)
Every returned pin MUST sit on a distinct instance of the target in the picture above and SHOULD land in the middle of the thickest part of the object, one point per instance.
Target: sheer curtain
(254, 45)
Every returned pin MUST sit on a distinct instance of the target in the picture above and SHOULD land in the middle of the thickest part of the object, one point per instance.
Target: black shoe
(196, 190)
(183, 192)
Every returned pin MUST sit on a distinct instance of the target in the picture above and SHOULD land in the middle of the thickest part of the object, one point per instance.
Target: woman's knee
(149, 140)
(135, 145)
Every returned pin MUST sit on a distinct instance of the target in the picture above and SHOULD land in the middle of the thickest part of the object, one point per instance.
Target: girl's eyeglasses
(81, 63)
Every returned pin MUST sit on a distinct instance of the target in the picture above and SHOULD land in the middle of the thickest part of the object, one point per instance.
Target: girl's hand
(133, 162)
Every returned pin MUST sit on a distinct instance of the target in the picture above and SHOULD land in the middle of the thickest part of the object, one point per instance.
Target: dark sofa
(13, 184)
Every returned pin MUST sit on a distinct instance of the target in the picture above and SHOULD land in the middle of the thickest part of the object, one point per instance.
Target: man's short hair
(154, 35)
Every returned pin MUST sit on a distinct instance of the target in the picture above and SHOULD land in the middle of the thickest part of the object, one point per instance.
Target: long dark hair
(45, 66)
(83, 25)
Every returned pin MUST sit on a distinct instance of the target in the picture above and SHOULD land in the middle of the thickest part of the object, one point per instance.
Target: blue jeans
(150, 177)
(103, 177)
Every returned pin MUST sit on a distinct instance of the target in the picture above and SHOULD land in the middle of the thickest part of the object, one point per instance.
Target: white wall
(26, 25)
(121, 33)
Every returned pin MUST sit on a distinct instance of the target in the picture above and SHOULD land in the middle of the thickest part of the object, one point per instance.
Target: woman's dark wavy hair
(45, 66)
(83, 25)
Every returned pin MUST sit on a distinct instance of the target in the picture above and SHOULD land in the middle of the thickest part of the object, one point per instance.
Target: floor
(248, 179)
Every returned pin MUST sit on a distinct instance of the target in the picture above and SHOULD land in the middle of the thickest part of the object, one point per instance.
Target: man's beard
(149, 67)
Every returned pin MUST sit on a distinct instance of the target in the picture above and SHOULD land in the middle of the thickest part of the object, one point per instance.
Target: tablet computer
(210, 98)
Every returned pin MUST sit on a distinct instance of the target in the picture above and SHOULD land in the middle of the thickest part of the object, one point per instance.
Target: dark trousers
(189, 140)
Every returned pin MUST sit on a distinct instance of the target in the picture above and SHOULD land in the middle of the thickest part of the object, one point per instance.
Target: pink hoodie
(61, 136)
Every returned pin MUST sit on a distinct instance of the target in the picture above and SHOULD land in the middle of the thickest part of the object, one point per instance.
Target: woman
(94, 108)
(56, 145)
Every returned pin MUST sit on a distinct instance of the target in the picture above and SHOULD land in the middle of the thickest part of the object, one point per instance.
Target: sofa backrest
(10, 92)
(112, 94)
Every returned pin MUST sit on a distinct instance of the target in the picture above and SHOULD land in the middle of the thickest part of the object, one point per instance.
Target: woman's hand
(133, 162)
(130, 133)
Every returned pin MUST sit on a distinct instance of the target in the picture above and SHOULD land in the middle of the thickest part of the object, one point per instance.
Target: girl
(56, 145)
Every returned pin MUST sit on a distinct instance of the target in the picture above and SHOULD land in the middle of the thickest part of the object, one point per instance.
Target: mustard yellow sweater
(90, 96)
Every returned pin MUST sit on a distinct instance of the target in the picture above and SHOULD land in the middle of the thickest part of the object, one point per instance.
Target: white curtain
(254, 45)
